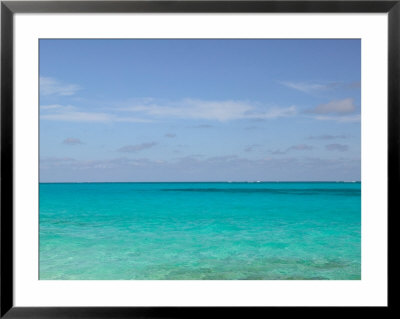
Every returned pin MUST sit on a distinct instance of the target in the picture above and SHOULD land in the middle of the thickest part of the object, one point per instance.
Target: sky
(200, 110)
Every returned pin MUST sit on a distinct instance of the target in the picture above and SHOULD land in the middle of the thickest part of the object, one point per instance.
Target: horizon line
(255, 182)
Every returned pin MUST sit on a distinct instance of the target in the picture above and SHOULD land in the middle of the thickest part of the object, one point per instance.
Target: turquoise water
(200, 231)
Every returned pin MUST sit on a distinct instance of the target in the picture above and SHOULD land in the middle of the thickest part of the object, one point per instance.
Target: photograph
(199, 159)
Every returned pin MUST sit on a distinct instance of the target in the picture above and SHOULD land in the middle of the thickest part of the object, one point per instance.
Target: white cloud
(51, 107)
(277, 112)
(305, 87)
(77, 117)
(149, 110)
(69, 113)
(222, 111)
(194, 109)
(51, 86)
(309, 88)
(341, 119)
(344, 106)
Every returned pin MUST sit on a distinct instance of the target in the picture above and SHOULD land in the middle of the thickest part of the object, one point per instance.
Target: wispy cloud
(69, 113)
(251, 148)
(51, 107)
(137, 147)
(305, 87)
(340, 119)
(343, 111)
(298, 147)
(76, 116)
(344, 106)
(194, 168)
(51, 86)
(353, 85)
(327, 137)
(147, 111)
(203, 126)
(72, 141)
(170, 135)
(221, 111)
(337, 147)
(217, 111)
(56, 162)
(310, 88)
(277, 152)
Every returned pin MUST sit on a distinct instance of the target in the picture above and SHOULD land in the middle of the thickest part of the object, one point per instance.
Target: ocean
(200, 231)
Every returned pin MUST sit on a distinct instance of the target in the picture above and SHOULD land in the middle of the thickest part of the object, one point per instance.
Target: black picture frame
(9, 8)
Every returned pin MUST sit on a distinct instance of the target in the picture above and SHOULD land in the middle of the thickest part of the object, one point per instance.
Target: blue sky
(200, 110)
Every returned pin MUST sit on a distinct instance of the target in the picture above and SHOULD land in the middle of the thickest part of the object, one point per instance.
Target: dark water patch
(331, 264)
(293, 191)
(304, 278)
(71, 222)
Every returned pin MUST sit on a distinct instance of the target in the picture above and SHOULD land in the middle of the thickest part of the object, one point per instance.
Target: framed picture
(188, 158)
